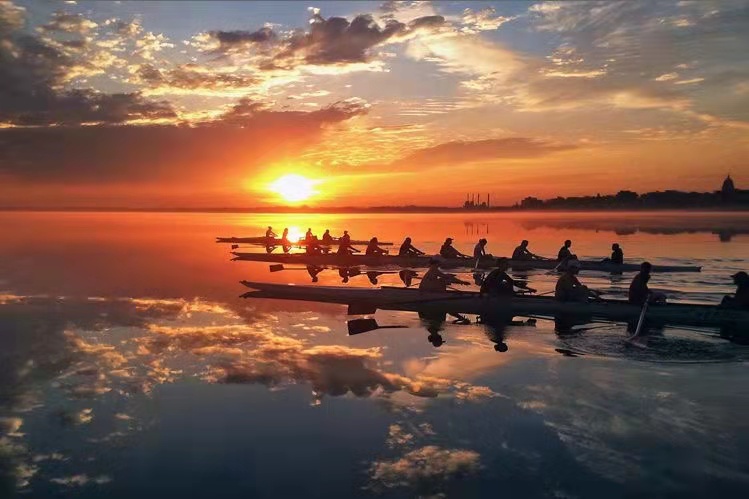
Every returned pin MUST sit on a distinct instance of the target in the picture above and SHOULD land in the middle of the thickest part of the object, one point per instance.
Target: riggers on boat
(279, 242)
(485, 262)
(367, 300)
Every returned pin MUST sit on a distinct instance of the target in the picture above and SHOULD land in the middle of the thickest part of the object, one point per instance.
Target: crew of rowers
(498, 281)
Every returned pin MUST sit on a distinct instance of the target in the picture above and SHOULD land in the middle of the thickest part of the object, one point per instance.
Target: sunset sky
(208, 104)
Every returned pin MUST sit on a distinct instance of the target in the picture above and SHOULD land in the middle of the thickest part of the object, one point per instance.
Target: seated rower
(499, 283)
(285, 240)
(741, 298)
(407, 249)
(344, 245)
(313, 246)
(269, 234)
(480, 249)
(639, 291)
(448, 251)
(617, 255)
(569, 288)
(522, 253)
(373, 248)
(436, 280)
(309, 235)
(327, 239)
(564, 251)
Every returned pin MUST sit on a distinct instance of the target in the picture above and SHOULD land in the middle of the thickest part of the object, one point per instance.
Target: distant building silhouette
(474, 203)
(728, 191)
(728, 197)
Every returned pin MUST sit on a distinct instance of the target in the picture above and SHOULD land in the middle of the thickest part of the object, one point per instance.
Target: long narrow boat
(367, 300)
(423, 261)
(279, 242)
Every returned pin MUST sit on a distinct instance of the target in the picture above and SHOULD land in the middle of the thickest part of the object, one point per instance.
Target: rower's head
(524, 243)
(502, 263)
(345, 232)
(269, 227)
(646, 267)
(449, 240)
(615, 246)
(407, 240)
(483, 241)
(573, 266)
(373, 240)
(567, 243)
(741, 278)
(327, 231)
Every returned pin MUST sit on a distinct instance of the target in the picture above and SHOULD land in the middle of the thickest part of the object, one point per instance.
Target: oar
(278, 267)
(641, 320)
(359, 326)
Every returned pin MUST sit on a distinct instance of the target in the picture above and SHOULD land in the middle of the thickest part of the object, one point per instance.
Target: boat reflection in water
(725, 225)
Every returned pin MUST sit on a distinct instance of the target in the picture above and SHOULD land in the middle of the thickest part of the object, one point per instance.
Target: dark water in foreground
(129, 367)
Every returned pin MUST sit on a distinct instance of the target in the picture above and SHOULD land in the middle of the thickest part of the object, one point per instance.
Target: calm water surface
(129, 367)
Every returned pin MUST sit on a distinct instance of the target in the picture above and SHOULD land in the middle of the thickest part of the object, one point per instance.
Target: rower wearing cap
(639, 292)
(480, 249)
(564, 251)
(373, 248)
(741, 298)
(569, 288)
(436, 280)
(448, 250)
(344, 244)
(522, 252)
(407, 249)
(499, 283)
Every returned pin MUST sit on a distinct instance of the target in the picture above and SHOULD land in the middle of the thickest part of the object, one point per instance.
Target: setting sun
(293, 188)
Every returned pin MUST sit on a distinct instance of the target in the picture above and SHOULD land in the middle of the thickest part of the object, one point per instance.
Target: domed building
(728, 190)
(729, 194)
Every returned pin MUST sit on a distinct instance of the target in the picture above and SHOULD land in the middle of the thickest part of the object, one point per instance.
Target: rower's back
(638, 289)
(433, 280)
(568, 289)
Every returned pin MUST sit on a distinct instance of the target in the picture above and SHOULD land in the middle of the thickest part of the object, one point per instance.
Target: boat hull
(462, 302)
(423, 261)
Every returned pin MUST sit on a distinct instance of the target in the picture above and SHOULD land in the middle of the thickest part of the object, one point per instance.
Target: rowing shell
(280, 242)
(468, 302)
(423, 261)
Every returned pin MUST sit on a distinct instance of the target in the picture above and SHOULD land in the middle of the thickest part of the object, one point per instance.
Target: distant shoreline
(376, 209)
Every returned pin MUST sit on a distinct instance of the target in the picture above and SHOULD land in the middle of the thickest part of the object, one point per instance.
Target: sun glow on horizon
(293, 188)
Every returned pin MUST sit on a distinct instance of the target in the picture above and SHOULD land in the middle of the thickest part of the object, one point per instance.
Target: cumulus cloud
(329, 41)
(485, 19)
(34, 71)
(191, 78)
(68, 23)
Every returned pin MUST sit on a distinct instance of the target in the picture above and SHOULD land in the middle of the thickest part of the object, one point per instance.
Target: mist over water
(129, 366)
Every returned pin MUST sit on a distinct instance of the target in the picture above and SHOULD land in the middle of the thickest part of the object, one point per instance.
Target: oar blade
(278, 267)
